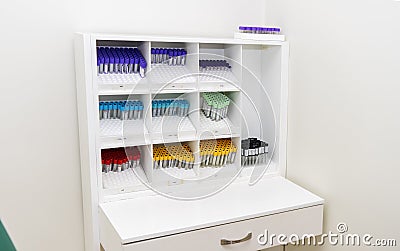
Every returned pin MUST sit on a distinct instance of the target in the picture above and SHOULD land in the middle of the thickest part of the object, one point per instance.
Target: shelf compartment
(164, 78)
(109, 84)
(265, 116)
(211, 150)
(115, 132)
(176, 128)
(170, 129)
(219, 79)
(167, 78)
(173, 176)
(210, 129)
(135, 160)
(165, 173)
(227, 126)
(124, 182)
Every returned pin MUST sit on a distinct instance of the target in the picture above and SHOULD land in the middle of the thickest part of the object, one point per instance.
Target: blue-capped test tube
(154, 108)
(101, 108)
(114, 109)
(159, 105)
(162, 111)
(141, 108)
(105, 110)
(135, 109)
(119, 105)
(131, 107)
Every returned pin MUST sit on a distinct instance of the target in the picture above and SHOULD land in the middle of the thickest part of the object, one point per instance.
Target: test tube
(153, 54)
(178, 57)
(143, 65)
(183, 60)
(174, 59)
(141, 107)
(171, 56)
(106, 60)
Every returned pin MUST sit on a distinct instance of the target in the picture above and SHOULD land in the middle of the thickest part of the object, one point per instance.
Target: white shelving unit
(137, 208)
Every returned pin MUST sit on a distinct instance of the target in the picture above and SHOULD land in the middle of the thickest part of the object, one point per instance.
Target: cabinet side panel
(87, 140)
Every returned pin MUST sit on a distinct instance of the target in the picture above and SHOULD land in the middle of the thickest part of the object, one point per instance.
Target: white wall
(40, 180)
(344, 111)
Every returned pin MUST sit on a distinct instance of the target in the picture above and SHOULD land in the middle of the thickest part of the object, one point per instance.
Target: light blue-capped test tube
(131, 109)
(141, 108)
(101, 108)
(154, 108)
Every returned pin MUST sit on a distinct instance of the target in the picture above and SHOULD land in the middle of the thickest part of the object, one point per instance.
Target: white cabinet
(195, 206)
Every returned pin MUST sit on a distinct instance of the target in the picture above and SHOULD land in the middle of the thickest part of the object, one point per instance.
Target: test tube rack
(117, 202)
(207, 102)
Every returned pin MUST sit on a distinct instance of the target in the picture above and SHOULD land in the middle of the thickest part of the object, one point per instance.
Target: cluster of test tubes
(215, 105)
(120, 159)
(168, 56)
(259, 30)
(170, 107)
(217, 153)
(123, 110)
(254, 151)
(120, 60)
(214, 65)
(178, 156)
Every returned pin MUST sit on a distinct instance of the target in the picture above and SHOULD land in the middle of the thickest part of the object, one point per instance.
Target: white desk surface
(155, 216)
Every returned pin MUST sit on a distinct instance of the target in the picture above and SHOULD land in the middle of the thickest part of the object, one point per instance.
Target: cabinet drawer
(152, 223)
(300, 222)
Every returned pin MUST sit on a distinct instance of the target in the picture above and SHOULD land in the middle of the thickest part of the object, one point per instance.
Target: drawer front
(240, 236)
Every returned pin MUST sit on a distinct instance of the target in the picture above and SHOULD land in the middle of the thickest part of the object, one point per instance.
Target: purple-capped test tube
(143, 66)
(178, 56)
(126, 58)
(106, 60)
(170, 56)
(121, 60)
(131, 60)
(116, 60)
(183, 60)
(165, 56)
(175, 58)
(136, 65)
(100, 61)
(153, 55)
(111, 60)
(157, 55)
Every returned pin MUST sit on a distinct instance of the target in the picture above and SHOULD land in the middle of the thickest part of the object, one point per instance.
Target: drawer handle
(228, 242)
